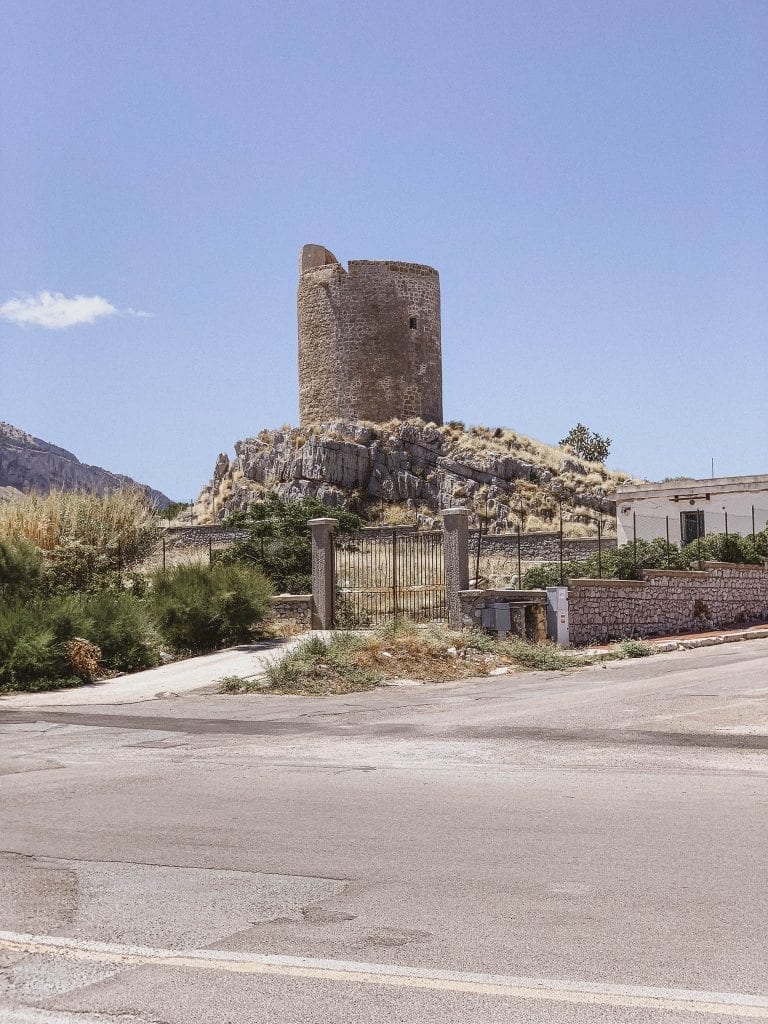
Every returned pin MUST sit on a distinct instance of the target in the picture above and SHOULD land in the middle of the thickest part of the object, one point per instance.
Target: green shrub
(721, 547)
(633, 649)
(199, 608)
(237, 684)
(539, 577)
(539, 656)
(122, 628)
(79, 568)
(21, 570)
(35, 637)
(279, 541)
(31, 656)
(629, 561)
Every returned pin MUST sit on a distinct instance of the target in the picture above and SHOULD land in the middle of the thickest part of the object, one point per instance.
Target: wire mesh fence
(687, 525)
(646, 541)
(570, 533)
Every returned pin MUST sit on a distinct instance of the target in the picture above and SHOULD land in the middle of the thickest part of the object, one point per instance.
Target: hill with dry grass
(402, 471)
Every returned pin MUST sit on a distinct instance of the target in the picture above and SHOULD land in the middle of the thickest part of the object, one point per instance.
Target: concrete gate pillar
(456, 558)
(323, 582)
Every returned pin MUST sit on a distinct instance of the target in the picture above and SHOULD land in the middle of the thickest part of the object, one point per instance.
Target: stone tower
(369, 340)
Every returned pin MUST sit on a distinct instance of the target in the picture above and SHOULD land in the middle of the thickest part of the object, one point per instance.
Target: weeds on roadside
(346, 662)
(540, 656)
(632, 649)
(238, 684)
(323, 666)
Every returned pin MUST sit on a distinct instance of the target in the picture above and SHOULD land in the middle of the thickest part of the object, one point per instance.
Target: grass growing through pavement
(351, 662)
(632, 649)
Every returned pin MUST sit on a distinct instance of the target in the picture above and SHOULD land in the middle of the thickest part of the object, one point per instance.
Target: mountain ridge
(28, 463)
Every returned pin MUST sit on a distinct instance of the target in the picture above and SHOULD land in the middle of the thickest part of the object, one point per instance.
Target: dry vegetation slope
(392, 472)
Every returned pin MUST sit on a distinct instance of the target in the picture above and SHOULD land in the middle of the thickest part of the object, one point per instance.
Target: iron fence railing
(384, 576)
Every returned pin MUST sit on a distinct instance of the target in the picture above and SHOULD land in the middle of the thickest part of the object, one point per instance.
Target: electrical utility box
(498, 617)
(558, 625)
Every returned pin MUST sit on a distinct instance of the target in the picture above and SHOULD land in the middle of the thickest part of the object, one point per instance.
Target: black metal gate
(385, 576)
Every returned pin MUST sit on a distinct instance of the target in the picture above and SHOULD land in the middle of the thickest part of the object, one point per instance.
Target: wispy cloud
(54, 311)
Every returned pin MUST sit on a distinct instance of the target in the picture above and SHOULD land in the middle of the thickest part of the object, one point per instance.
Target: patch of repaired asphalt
(140, 904)
(200, 726)
(293, 727)
(621, 737)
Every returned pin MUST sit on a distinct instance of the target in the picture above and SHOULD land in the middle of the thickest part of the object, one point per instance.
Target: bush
(619, 563)
(21, 570)
(721, 547)
(237, 684)
(36, 639)
(31, 656)
(198, 609)
(634, 649)
(279, 541)
(122, 628)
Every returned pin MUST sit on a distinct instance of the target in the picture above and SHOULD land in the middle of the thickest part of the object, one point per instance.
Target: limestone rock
(412, 463)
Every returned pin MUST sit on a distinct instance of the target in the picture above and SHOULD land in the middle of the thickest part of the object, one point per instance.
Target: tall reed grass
(120, 523)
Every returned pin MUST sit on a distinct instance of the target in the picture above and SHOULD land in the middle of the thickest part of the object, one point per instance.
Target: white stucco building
(686, 509)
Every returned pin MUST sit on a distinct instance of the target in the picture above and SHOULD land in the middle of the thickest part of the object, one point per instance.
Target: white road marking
(731, 1004)
(32, 1016)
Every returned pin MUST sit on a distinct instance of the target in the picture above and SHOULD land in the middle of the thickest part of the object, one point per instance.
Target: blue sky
(589, 179)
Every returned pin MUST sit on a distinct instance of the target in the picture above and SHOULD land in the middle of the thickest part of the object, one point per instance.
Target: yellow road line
(728, 1004)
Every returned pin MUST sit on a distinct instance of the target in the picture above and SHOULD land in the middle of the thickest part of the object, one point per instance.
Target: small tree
(278, 540)
(586, 443)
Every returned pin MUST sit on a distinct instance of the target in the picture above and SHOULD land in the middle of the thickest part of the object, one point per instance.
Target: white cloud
(54, 311)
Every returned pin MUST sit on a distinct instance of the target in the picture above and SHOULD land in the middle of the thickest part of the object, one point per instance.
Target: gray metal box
(498, 617)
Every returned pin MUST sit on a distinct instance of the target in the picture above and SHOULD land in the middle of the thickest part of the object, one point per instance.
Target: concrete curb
(709, 641)
(665, 646)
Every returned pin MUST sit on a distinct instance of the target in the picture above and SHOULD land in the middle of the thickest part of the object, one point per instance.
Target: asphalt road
(587, 846)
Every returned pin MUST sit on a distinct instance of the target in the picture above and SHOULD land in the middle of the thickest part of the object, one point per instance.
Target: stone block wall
(539, 547)
(200, 536)
(293, 608)
(667, 602)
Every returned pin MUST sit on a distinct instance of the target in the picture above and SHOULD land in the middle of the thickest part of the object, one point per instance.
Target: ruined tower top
(369, 340)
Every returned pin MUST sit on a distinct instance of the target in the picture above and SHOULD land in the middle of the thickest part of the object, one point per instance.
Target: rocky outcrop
(423, 467)
(29, 464)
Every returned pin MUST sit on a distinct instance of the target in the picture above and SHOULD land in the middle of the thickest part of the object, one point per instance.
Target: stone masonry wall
(667, 601)
(293, 608)
(534, 547)
(201, 536)
(369, 340)
(539, 547)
